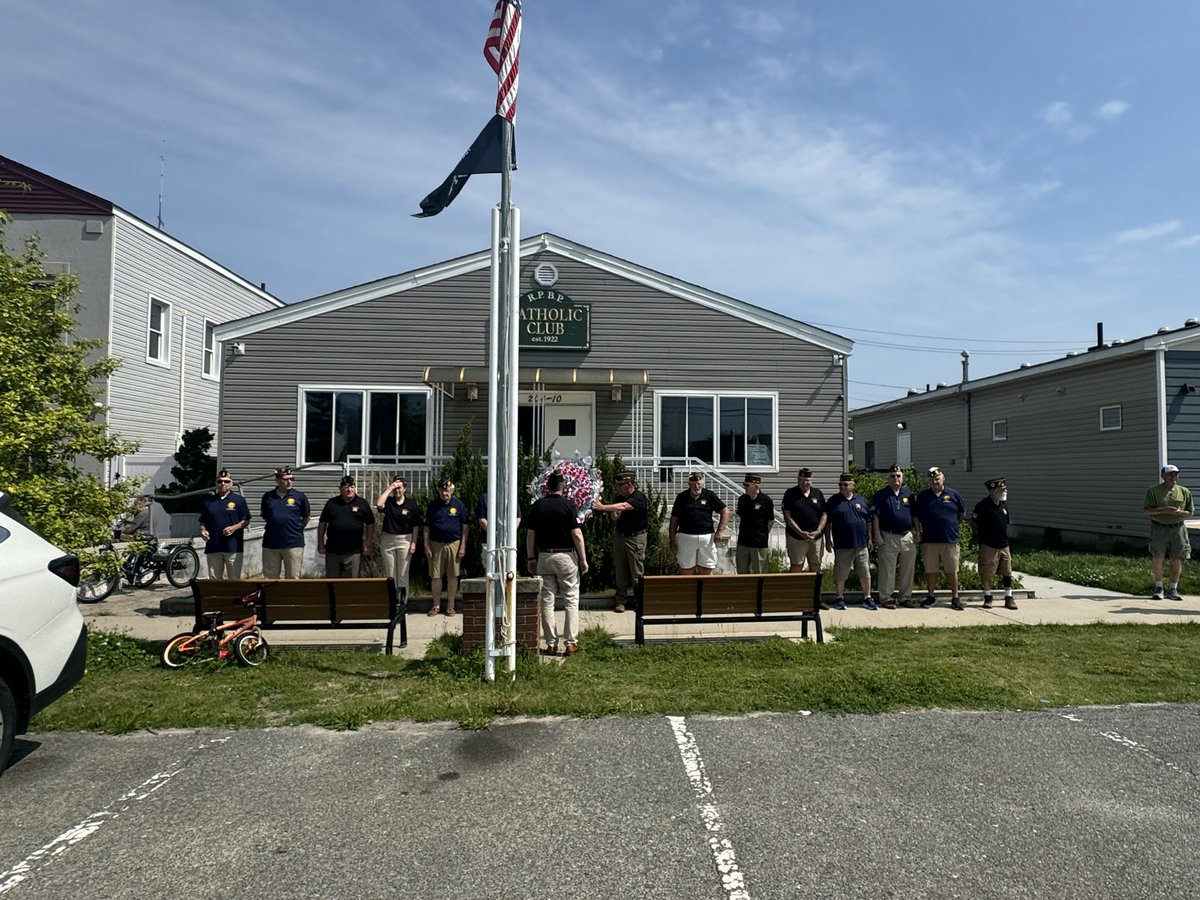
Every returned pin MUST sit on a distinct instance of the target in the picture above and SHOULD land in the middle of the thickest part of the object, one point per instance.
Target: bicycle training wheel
(181, 650)
(95, 585)
(250, 649)
(182, 566)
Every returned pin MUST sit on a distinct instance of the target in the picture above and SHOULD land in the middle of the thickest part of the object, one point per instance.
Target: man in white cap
(1168, 505)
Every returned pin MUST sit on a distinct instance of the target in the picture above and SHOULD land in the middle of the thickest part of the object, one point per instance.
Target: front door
(559, 419)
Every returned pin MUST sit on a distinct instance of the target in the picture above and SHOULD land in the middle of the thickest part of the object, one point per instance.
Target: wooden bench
(684, 599)
(310, 603)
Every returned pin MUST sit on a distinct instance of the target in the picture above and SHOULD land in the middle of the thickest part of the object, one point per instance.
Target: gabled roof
(26, 190)
(396, 284)
(1187, 337)
(36, 193)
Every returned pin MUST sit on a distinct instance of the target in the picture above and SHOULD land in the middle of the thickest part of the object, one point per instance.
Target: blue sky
(995, 177)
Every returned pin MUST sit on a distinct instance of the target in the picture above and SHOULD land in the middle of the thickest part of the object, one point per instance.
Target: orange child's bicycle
(217, 640)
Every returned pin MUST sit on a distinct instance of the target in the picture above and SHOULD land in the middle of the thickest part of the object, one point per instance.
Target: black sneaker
(929, 602)
(840, 604)
(955, 603)
(987, 601)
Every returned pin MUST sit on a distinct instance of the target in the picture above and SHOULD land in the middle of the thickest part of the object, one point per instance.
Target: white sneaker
(1173, 594)
(1158, 595)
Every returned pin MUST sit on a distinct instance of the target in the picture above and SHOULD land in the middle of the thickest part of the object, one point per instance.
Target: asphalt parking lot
(1093, 802)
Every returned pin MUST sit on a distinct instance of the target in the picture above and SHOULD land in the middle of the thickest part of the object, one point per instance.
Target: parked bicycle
(140, 568)
(217, 640)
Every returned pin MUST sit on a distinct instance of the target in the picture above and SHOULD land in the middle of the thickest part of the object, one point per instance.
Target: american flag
(502, 50)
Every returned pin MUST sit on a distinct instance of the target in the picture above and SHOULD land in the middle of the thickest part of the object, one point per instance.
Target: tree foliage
(195, 469)
(50, 423)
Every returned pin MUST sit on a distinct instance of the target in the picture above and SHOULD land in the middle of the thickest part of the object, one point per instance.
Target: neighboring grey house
(1079, 438)
(382, 377)
(153, 301)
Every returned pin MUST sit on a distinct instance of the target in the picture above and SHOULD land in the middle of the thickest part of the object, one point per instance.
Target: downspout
(966, 369)
(182, 372)
(1160, 389)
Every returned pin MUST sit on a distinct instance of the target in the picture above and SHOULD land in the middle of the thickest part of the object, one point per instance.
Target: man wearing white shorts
(691, 530)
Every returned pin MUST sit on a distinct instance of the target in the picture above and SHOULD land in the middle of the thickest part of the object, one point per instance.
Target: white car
(43, 641)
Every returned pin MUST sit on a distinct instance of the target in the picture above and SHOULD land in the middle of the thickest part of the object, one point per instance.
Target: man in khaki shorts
(804, 519)
(990, 521)
(446, 529)
(940, 509)
(1168, 504)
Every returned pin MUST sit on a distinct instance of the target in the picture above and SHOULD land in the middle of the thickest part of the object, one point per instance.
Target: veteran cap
(934, 471)
(751, 478)
(806, 472)
(696, 476)
(626, 478)
(992, 483)
(895, 470)
(347, 479)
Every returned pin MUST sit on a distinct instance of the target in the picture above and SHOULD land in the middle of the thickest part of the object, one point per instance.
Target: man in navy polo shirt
(285, 513)
(446, 530)
(223, 516)
(849, 537)
(892, 527)
(940, 509)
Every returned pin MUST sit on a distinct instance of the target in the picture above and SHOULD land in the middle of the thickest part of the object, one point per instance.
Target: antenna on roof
(162, 173)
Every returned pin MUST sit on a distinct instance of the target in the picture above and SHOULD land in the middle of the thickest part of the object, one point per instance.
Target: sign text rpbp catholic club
(550, 320)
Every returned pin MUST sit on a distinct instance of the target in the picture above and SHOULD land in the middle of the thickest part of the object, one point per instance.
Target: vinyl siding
(1183, 411)
(390, 340)
(145, 397)
(1062, 471)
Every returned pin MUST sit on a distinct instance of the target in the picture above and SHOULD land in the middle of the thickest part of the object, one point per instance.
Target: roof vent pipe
(1099, 336)
(966, 358)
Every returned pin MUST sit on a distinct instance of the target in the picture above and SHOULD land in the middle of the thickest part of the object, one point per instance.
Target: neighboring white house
(153, 301)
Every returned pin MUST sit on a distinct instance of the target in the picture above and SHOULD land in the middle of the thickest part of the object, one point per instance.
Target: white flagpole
(490, 567)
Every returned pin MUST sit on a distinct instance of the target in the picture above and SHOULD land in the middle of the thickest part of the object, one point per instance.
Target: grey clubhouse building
(383, 377)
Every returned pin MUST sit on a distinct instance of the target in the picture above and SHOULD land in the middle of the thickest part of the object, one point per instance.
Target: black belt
(633, 534)
(905, 531)
(557, 550)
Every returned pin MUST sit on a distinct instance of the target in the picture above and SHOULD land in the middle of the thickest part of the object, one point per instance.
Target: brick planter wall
(472, 607)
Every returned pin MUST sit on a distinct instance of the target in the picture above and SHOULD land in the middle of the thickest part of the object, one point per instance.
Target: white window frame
(1004, 429)
(366, 390)
(1120, 418)
(164, 341)
(210, 365)
(716, 396)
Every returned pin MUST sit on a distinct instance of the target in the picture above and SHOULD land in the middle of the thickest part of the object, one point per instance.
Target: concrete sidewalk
(160, 612)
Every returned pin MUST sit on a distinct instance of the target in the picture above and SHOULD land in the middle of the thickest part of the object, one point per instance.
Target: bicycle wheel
(96, 585)
(182, 566)
(181, 650)
(145, 572)
(250, 649)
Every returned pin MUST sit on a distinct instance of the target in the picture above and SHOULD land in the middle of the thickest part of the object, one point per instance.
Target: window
(210, 351)
(158, 333)
(373, 425)
(719, 429)
(1110, 418)
(1000, 430)
(868, 455)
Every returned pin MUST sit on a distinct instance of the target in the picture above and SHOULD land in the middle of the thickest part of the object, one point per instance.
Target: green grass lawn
(865, 671)
(1127, 574)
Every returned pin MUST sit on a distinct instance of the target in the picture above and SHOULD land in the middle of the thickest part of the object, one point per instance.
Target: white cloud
(763, 25)
(1149, 232)
(1113, 109)
(1060, 118)
(1189, 241)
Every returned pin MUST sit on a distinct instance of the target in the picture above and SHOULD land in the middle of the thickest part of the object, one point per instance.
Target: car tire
(8, 723)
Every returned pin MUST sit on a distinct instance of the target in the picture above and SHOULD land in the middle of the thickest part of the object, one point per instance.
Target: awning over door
(538, 375)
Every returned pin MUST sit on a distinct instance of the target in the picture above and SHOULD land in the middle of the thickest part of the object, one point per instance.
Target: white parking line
(732, 879)
(43, 856)
(1129, 743)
